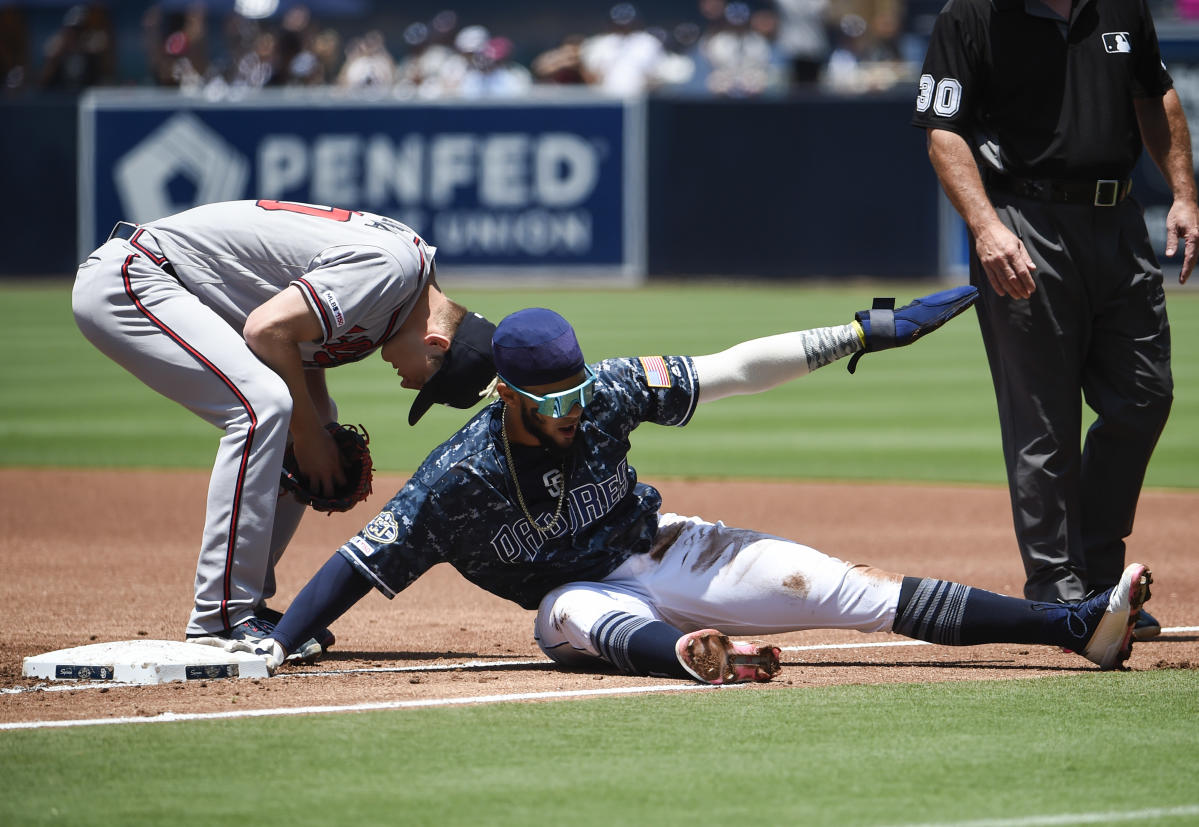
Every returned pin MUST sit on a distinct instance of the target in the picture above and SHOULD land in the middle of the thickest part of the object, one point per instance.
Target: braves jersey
(1038, 98)
(360, 273)
(461, 506)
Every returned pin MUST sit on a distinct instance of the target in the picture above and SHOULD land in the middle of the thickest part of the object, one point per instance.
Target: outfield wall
(558, 188)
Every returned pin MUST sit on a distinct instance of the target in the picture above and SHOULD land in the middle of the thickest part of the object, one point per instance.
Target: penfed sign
(539, 188)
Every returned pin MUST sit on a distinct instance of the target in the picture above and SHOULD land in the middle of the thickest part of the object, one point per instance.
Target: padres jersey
(461, 507)
(360, 273)
(1039, 99)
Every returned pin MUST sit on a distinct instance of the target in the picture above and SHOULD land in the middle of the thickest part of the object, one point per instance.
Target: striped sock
(638, 645)
(955, 615)
(932, 610)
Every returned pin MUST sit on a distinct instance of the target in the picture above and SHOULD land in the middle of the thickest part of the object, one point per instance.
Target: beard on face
(529, 419)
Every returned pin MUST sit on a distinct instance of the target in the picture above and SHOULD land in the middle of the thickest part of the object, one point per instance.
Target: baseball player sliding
(234, 310)
(534, 500)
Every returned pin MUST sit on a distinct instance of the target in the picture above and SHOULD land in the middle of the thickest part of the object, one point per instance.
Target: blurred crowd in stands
(725, 47)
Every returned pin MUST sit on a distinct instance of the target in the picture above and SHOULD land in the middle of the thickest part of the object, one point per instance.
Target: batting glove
(884, 327)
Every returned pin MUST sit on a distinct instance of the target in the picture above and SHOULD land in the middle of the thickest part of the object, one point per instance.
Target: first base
(144, 662)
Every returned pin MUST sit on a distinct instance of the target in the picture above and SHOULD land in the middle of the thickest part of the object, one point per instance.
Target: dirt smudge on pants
(664, 539)
(798, 584)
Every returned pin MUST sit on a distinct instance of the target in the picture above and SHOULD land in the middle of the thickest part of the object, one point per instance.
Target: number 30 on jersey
(944, 95)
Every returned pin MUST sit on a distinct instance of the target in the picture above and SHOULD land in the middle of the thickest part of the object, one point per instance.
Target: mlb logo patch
(1117, 42)
(339, 319)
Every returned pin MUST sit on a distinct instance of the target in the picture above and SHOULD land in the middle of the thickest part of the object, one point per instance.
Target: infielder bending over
(233, 310)
(534, 500)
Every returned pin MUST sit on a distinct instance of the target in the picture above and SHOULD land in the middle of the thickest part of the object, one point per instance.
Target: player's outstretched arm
(761, 364)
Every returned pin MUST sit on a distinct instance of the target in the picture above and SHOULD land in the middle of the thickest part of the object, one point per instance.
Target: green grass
(861, 755)
(921, 413)
(1084, 743)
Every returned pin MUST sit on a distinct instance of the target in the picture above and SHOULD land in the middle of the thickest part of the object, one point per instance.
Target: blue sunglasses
(559, 404)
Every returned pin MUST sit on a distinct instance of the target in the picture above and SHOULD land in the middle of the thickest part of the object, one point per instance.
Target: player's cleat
(311, 650)
(1146, 627)
(1113, 614)
(710, 657)
(884, 327)
(248, 632)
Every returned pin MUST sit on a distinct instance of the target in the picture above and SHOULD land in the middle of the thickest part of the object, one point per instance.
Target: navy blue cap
(534, 347)
(465, 373)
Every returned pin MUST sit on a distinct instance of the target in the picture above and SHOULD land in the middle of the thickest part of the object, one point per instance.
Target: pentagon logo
(183, 147)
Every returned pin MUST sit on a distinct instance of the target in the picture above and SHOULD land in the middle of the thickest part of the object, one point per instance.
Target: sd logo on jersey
(382, 529)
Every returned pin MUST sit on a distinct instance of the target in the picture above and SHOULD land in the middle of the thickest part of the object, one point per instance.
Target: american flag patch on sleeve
(656, 373)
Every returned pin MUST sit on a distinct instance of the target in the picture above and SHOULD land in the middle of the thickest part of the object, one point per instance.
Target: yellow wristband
(857, 326)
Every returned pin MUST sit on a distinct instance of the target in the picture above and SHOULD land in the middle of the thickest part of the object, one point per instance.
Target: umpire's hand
(1005, 261)
(1183, 222)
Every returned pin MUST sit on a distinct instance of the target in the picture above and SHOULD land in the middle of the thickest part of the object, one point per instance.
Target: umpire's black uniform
(1047, 107)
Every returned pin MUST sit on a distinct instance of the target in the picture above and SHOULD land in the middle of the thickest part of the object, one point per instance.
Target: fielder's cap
(536, 346)
(465, 373)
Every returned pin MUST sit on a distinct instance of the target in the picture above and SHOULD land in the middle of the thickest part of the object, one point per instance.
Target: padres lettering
(588, 502)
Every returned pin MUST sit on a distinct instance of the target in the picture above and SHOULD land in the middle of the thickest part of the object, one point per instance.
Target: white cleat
(1111, 642)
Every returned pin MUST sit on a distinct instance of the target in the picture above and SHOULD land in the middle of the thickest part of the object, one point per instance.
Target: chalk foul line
(168, 717)
(1065, 819)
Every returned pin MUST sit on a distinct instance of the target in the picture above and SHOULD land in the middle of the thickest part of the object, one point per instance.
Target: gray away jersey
(460, 506)
(360, 273)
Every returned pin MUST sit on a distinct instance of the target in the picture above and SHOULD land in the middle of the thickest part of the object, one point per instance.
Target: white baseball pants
(707, 575)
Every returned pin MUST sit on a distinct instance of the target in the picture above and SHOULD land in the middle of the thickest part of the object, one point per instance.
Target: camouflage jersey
(460, 506)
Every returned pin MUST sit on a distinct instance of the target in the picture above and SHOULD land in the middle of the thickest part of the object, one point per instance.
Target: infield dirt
(91, 556)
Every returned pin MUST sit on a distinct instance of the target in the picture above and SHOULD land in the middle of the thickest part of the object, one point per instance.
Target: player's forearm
(954, 164)
(318, 391)
(327, 596)
(761, 364)
(1167, 139)
(282, 356)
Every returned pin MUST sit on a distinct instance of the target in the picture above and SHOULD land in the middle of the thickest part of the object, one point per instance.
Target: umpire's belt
(1106, 192)
(134, 235)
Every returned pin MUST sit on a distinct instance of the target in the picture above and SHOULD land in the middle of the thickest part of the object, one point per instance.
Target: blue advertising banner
(547, 188)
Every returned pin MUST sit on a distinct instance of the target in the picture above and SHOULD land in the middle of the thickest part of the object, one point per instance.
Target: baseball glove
(352, 442)
(885, 327)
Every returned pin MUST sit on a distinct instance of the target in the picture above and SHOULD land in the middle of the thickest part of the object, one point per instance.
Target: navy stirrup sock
(328, 595)
(638, 645)
(951, 614)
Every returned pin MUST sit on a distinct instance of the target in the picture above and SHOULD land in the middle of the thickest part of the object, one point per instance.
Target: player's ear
(438, 341)
(506, 393)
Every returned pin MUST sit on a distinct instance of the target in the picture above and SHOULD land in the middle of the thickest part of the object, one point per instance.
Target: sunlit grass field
(924, 412)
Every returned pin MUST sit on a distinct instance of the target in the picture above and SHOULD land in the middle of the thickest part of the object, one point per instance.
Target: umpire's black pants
(1096, 324)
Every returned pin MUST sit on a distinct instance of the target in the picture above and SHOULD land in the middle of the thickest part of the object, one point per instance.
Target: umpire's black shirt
(1046, 100)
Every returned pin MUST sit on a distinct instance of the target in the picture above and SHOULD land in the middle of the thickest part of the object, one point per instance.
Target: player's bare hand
(319, 461)
(1182, 223)
(1006, 262)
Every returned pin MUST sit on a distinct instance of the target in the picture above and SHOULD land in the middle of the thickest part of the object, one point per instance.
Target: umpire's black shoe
(1146, 627)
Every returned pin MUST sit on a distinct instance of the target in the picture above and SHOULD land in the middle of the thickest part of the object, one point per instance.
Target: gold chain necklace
(520, 498)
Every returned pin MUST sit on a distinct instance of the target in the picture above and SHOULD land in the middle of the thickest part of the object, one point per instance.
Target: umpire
(1036, 112)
